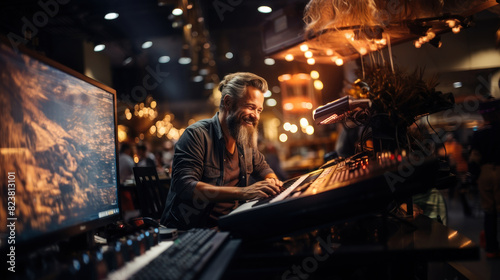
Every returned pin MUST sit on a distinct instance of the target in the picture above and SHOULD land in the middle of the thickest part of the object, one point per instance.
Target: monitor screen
(58, 157)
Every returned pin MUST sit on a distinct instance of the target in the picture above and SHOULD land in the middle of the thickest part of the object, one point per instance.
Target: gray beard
(244, 136)
(247, 136)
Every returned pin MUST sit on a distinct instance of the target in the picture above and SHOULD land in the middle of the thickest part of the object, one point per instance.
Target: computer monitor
(58, 152)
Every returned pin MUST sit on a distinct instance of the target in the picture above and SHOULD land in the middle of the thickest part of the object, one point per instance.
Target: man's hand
(261, 189)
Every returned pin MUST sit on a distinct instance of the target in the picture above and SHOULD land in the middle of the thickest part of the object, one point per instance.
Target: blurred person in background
(485, 153)
(145, 157)
(126, 162)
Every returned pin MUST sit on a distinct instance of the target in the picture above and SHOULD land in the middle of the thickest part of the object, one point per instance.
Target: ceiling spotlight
(99, 47)
(264, 9)
(164, 59)
(269, 61)
(311, 61)
(229, 55)
(203, 72)
(197, 79)
(147, 44)
(184, 60)
(177, 12)
(289, 57)
(111, 16)
(127, 61)
(304, 47)
(162, 3)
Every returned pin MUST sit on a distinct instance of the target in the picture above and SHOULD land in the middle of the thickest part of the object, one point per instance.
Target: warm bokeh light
(308, 54)
(284, 77)
(275, 122)
(271, 102)
(304, 47)
(318, 85)
(314, 74)
(283, 137)
(289, 57)
(310, 130)
(451, 23)
(363, 51)
(311, 61)
(294, 128)
(288, 106)
(306, 105)
(304, 122)
(268, 94)
(287, 126)
(339, 61)
(122, 133)
(329, 52)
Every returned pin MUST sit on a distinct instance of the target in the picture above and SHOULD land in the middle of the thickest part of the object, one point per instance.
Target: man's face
(244, 117)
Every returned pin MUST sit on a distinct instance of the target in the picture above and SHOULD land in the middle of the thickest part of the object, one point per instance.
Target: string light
(314, 74)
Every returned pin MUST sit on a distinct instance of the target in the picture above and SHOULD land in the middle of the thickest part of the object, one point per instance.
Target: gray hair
(235, 85)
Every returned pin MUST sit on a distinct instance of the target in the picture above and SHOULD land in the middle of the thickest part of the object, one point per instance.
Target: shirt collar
(218, 128)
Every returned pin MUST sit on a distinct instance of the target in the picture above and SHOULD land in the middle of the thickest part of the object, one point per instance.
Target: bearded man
(214, 159)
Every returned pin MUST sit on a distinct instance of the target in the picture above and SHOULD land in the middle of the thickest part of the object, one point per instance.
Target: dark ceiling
(58, 28)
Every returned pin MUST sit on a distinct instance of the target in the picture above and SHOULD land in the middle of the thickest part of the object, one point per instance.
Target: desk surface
(376, 242)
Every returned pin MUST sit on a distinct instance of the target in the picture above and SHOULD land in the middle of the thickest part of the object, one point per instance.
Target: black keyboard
(186, 258)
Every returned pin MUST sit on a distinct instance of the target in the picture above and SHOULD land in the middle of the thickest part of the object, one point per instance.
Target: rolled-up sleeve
(261, 168)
